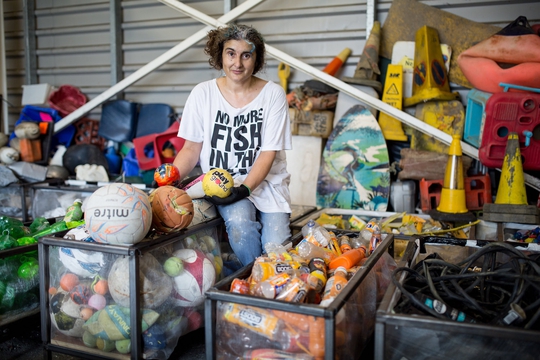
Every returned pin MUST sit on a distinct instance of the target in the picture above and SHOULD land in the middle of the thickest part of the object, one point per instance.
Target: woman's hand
(237, 193)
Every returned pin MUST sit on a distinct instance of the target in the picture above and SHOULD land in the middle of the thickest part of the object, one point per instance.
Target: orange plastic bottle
(316, 336)
(348, 259)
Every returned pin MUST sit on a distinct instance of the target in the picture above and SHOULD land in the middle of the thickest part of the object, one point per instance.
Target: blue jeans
(250, 229)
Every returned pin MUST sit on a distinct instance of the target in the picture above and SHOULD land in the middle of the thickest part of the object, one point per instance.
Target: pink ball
(97, 301)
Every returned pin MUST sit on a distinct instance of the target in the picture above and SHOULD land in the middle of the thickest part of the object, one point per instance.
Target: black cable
(489, 292)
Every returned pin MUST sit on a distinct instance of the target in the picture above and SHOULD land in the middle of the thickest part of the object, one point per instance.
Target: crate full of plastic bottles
(310, 306)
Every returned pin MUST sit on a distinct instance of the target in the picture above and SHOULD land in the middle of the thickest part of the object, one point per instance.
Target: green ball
(123, 346)
(105, 345)
(89, 339)
(173, 266)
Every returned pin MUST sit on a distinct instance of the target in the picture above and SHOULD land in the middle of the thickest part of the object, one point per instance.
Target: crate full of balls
(89, 293)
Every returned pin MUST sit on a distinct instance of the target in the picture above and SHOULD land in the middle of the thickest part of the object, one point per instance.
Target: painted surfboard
(354, 171)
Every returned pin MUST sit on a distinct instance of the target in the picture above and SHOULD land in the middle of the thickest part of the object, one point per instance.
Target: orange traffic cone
(453, 203)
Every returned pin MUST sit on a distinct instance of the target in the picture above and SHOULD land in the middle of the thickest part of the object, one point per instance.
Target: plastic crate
(405, 336)
(166, 314)
(349, 318)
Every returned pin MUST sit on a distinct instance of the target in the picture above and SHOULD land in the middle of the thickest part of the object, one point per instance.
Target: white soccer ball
(83, 263)
(65, 315)
(198, 276)
(118, 213)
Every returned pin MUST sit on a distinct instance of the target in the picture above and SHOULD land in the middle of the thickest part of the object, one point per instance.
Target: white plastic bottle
(309, 251)
(321, 235)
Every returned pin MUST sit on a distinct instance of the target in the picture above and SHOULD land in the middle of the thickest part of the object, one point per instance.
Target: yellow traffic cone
(392, 95)
(453, 197)
(511, 188)
(367, 68)
(511, 201)
(430, 81)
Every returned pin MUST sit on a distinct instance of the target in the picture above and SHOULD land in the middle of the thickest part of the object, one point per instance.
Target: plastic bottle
(344, 244)
(309, 251)
(321, 235)
(334, 285)
(333, 243)
(7, 242)
(316, 336)
(74, 211)
(368, 229)
(272, 286)
(13, 227)
(294, 291)
(358, 241)
(308, 228)
(258, 320)
(317, 276)
(375, 240)
(38, 224)
(349, 259)
(264, 270)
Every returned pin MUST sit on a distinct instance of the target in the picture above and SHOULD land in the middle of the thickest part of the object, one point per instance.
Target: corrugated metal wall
(73, 42)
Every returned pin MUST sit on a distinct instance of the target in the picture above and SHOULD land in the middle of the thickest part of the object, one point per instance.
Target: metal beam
(154, 64)
(117, 39)
(402, 116)
(30, 57)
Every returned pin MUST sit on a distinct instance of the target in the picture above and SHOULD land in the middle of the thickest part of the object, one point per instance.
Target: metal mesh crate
(340, 330)
(417, 336)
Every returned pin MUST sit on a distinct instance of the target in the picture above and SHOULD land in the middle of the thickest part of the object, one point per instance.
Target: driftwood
(429, 165)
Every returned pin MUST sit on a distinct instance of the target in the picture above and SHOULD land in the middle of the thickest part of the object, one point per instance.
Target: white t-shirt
(233, 138)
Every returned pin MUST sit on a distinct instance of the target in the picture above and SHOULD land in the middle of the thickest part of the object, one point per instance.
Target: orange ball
(172, 209)
(69, 281)
(86, 313)
(101, 287)
(166, 174)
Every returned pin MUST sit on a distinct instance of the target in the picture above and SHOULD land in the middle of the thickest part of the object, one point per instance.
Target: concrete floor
(21, 340)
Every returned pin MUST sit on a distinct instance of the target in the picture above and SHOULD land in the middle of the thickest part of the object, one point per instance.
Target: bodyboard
(354, 172)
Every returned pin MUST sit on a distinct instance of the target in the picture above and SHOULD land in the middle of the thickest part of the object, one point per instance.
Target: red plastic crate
(477, 192)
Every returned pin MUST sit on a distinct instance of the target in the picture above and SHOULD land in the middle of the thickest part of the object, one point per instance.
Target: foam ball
(86, 313)
(198, 276)
(118, 213)
(68, 281)
(155, 286)
(97, 301)
(166, 174)
(217, 182)
(80, 294)
(172, 209)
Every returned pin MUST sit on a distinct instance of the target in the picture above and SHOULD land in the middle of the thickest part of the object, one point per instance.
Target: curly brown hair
(218, 37)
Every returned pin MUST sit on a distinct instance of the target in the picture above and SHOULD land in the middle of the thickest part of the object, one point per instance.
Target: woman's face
(238, 59)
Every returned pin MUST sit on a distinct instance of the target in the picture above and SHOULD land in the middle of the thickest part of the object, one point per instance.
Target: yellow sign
(393, 96)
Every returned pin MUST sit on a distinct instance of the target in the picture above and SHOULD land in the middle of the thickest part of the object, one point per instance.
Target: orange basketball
(172, 209)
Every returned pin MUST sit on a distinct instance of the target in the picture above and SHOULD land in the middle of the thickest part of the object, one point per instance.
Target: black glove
(237, 193)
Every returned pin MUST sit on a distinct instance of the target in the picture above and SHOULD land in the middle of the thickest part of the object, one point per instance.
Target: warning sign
(393, 90)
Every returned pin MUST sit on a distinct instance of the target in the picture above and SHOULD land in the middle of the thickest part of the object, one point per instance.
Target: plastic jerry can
(403, 196)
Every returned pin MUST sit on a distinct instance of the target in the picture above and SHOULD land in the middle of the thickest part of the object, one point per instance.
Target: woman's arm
(188, 157)
(260, 169)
